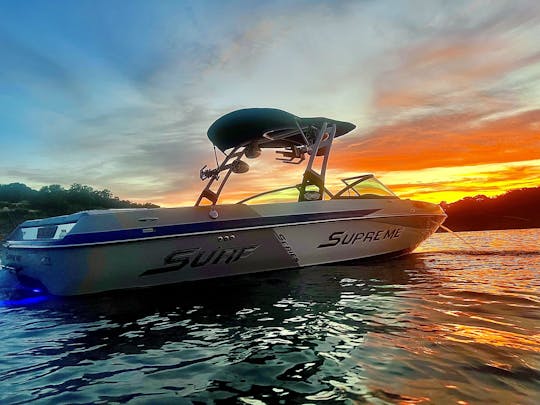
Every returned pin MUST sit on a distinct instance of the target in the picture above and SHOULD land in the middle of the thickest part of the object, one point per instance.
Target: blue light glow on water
(443, 325)
(13, 294)
(22, 301)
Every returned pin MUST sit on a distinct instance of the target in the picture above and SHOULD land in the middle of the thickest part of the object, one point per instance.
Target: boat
(305, 224)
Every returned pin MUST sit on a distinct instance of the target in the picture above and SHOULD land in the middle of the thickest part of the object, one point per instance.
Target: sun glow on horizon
(450, 184)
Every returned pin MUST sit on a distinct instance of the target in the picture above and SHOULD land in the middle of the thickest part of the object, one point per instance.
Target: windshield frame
(339, 195)
(358, 180)
(297, 187)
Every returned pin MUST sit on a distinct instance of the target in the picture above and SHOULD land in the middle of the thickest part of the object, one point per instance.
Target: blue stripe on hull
(197, 227)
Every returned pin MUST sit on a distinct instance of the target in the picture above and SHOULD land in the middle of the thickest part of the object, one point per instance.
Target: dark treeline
(515, 209)
(18, 202)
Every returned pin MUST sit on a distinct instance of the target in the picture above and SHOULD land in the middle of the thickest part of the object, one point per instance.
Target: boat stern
(28, 252)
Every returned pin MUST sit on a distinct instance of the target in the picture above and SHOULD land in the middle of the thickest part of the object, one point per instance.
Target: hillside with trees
(18, 202)
(515, 209)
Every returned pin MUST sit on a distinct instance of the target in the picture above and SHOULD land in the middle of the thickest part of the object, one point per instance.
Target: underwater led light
(22, 301)
(16, 294)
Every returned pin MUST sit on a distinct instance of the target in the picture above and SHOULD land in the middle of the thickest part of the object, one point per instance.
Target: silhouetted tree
(514, 209)
(18, 202)
(15, 192)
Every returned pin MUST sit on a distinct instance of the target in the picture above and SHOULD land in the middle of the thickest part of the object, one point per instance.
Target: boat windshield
(281, 195)
(365, 186)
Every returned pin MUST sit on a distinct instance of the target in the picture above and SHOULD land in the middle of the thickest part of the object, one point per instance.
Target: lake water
(447, 324)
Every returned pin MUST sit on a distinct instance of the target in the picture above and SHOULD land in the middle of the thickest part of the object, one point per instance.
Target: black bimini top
(243, 126)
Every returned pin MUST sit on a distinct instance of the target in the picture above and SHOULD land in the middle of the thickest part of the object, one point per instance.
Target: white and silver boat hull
(242, 240)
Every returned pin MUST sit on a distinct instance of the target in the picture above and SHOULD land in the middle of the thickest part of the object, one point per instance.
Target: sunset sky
(119, 94)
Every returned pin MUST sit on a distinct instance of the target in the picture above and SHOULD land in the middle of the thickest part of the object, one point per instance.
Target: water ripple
(444, 325)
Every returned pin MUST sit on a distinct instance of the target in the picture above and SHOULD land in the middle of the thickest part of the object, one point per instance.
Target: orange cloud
(443, 141)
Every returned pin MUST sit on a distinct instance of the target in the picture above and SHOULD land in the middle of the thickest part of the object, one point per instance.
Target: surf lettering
(197, 257)
(344, 238)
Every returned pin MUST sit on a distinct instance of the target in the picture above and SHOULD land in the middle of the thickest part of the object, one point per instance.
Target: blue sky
(119, 94)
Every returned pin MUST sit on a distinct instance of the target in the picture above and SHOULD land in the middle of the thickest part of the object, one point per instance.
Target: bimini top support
(247, 131)
(231, 164)
(312, 179)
